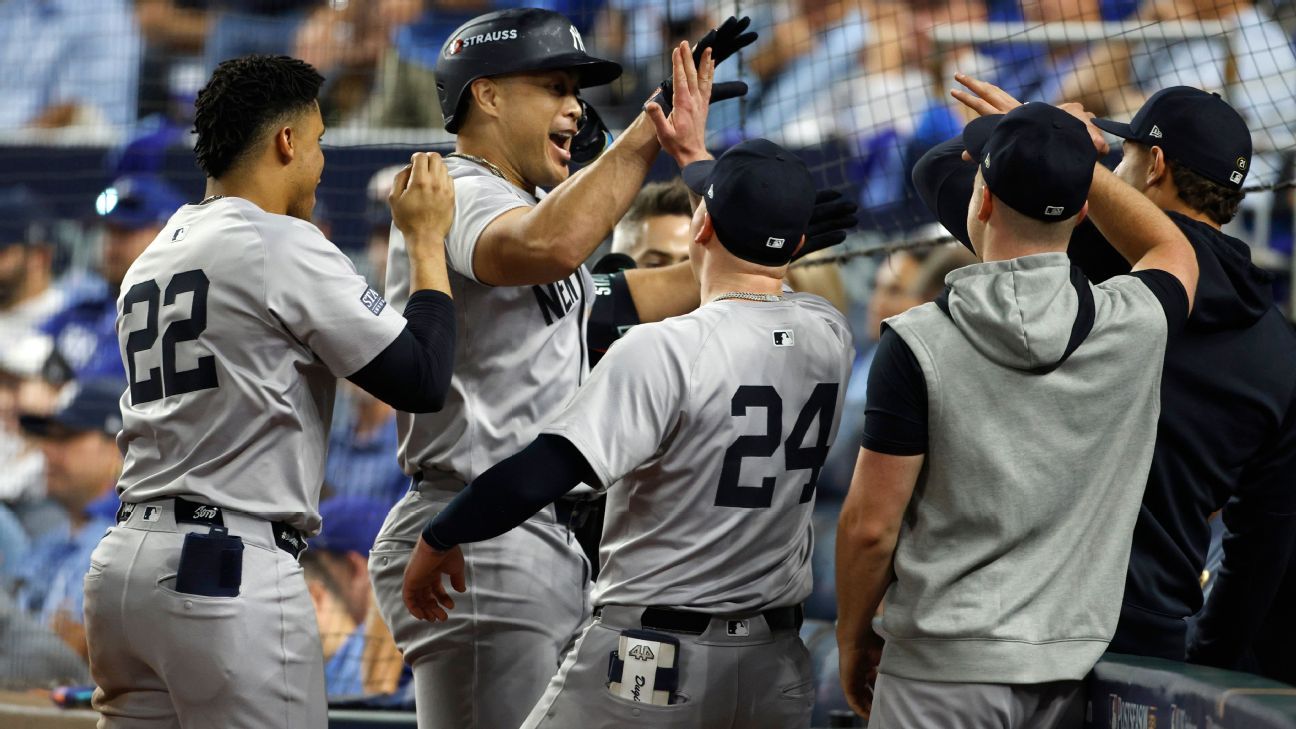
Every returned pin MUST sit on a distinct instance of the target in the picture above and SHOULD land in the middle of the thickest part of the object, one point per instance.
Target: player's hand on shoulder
(422, 198)
(424, 590)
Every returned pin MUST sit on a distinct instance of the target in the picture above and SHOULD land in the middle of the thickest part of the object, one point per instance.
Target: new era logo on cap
(1053, 210)
(1156, 132)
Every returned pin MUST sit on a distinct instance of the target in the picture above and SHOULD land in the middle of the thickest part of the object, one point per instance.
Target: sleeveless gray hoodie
(1043, 394)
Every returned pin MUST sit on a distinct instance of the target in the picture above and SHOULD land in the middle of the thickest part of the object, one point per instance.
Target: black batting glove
(724, 41)
(833, 215)
(592, 136)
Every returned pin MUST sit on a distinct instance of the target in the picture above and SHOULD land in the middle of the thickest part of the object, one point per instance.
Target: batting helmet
(511, 41)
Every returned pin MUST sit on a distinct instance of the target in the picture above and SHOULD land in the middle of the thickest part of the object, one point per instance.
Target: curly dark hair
(244, 97)
(1218, 202)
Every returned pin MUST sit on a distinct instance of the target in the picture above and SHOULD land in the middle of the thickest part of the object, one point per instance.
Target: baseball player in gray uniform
(234, 326)
(508, 84)
(713, 427)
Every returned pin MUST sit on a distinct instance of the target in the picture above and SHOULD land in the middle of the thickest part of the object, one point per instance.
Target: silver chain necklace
(745, 296)
(481, 161)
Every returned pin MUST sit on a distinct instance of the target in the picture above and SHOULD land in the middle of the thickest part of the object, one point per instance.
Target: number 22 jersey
(234, 325)
(716, 424)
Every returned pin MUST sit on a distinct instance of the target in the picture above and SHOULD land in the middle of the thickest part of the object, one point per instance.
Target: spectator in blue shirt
(68, 62)
(360, 657)
(362, 446)
(81, 468)
(132, 211)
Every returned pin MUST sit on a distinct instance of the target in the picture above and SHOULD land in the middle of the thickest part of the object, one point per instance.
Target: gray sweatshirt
(1011, 558)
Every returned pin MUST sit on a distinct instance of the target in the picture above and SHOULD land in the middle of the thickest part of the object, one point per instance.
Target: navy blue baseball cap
(760, 197)
(1195, 129)
(138, 201)
(83, 406)
(24, 218)
(1036, 158)
(351, 524)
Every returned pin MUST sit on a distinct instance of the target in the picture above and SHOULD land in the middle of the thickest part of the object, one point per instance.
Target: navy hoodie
(1226, 440)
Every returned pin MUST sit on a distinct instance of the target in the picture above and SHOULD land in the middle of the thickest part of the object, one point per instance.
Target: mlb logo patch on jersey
(784, 338)
(737, 628)
(179, 235)
(373, 301)
(152, 513)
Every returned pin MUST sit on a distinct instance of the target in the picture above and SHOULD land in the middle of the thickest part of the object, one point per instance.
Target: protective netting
(94, 90)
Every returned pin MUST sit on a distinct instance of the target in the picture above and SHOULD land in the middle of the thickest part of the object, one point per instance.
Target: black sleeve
(510, 492)
(1259, 543)
(944, 182)
(613, 313)
(1170, 292)
(413, 373)
(895, 411)
(1093, 255)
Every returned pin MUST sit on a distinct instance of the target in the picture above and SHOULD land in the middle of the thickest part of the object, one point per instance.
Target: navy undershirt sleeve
(895, 414)
(1170, 292)
(413, 373)
(613, 314)
(510, 492)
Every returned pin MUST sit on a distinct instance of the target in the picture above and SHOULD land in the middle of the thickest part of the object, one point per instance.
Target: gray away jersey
(521, 349)
(234, 326)
(716, 424)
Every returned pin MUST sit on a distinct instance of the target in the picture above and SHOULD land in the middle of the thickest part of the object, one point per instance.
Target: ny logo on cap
(987, 160)
(576, 39)
(775, 242)
(1054, 210)
(711, 191)
(1155, 133)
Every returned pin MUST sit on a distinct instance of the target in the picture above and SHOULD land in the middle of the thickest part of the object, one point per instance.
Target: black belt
(286, 537)
(686, 621)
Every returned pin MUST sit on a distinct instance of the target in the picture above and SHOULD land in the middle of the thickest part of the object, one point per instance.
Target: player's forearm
(427, 264)
(509, 493)
(1140, 231)
(570, 223)
(864, 572)
(660, 293)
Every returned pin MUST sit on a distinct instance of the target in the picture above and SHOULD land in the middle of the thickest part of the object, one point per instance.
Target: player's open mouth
(561, 141)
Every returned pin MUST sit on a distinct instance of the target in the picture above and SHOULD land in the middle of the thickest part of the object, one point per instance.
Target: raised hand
(985, 98)
(683, 133)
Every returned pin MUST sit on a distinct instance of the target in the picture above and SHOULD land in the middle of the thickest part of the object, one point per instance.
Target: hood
(1232, 293)
(1027, 313)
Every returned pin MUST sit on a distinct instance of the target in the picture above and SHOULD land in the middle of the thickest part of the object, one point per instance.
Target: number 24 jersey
(716, 425)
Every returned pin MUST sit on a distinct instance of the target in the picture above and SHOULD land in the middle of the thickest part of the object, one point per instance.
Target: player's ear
(486, 96)
(1156, 169)
(706, 231)
(284, 140)
(1084, 212)
(986, 208)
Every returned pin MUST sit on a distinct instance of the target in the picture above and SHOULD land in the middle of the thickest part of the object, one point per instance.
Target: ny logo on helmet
(576, 39)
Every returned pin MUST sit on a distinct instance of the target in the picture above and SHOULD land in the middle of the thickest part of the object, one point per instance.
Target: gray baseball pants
(906, 703)
(528, 596)
(762, 680)
(161, 658)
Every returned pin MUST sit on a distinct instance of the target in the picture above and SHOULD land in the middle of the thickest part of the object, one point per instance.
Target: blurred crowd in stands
(867, 74)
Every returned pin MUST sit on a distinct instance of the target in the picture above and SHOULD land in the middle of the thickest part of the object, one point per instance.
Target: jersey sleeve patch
(373, 301)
